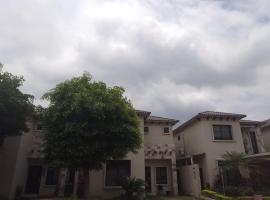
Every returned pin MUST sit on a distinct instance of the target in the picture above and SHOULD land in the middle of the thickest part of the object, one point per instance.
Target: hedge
(218, 196)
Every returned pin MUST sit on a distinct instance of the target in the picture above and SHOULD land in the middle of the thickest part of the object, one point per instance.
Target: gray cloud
(175, 58)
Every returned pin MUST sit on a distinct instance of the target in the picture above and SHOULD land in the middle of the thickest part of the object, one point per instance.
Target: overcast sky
(174, 58)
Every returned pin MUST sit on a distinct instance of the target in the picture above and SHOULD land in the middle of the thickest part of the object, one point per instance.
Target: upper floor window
(178, 137)
(146, 130)
(166, 130)
(222, 132)
(116, 170)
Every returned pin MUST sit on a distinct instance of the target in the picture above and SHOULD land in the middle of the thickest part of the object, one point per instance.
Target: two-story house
(204, 138)
(23, 170)
(265, 129)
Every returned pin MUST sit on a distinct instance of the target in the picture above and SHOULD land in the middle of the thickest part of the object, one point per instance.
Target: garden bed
(217, 196)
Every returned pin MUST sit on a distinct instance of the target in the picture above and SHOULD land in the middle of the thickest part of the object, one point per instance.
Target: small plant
(134, 188)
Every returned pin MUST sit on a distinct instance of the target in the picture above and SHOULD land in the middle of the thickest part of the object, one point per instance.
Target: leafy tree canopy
(89, 123)
(15, 106)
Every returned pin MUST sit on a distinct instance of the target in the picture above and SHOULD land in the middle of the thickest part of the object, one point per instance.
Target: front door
(33, 179)
(148, 179)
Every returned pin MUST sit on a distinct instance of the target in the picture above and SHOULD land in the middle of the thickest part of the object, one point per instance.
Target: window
(222, 132)
(179, 138)
(52, 176)
(115, 170)
(146, 130)
(161, 175)
(166, 130)
(254, 142)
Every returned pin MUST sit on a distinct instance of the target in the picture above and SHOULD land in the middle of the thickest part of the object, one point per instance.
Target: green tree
(232, 164)
(87, 124)
(15, 106)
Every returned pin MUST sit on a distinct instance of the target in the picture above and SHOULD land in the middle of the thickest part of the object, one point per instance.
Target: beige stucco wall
(247, 140)
(156, 135)
(215, 149)
(198, 138)
(160, 163)
(13, 162)
(266, 138)
(8, 158)
(190, 180)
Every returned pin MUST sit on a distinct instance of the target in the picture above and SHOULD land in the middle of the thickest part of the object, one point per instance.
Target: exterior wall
(13, 163)
(198, 139)
(8, 158)
(179, 145)
(160, 163)
(159, 147)
(215, 149)
(20, 152)
(97, 178)
(156, 135)
(190, 180)
(266, 138)
(247, 140)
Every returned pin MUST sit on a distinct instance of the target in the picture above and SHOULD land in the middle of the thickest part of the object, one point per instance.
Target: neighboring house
(22, 167)
(265, 129)
(252, 136)
(14, 151)
(202, 140)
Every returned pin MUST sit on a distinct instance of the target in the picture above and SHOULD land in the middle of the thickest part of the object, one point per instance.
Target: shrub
(218, 196)
(134, 188)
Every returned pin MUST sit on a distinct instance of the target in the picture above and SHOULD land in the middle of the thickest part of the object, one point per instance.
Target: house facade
(23, 170)
(265, 129)
(204, 138)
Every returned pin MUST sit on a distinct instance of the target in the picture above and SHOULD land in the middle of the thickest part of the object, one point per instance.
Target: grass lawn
(172, 198)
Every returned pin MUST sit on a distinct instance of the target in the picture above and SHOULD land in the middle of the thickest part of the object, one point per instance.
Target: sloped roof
(221, 114)
(161, 120)
(251, 123)
(266, 124)
(143, 113)
(206, 114)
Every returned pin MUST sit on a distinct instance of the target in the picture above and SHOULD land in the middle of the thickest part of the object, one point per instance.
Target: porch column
(174, 177)
(63, 174)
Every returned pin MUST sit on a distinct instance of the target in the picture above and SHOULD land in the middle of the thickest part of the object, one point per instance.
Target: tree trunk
(86, 174)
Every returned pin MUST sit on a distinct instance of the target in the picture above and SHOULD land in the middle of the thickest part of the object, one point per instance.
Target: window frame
(105, 174)
(178, 137)
(167, 181)
(220, 139)
(46, 177)
(146, 132)
(166, 133)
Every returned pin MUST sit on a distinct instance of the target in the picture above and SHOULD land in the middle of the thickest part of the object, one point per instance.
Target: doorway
(33, 179)
(148, 187)
(201, 177)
